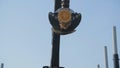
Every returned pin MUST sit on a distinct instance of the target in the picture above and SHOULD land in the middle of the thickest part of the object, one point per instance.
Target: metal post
(115, 40)
(56, 38)
(115, 55)
(55, 42)
(106, 57)
(55, 50)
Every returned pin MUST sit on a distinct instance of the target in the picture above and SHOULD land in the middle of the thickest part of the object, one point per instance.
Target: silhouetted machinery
(64, 21)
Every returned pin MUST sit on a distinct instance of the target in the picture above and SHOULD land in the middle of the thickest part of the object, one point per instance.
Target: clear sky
(25, 33)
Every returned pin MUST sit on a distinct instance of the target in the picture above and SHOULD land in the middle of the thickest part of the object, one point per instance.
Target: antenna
(106, 57)
(115, 55)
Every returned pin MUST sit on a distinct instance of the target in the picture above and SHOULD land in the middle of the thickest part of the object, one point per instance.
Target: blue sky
(25, 33)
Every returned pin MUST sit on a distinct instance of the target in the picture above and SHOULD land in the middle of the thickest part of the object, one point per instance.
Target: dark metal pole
(106, 57)
(55, 42)
(56, 37)
(55, 50)
(115, 56)
(116, 61)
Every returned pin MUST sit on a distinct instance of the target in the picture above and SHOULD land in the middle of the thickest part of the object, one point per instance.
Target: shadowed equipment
(64, 21)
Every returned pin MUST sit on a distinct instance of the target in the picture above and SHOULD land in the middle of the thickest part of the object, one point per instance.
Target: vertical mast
(55, 42)
(115, 55)
(56, 37)
(115, 40)
(106, 57)
(55, 50)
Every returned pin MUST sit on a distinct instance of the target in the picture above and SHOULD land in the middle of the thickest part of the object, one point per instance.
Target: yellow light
(64, 18)
(64, 15)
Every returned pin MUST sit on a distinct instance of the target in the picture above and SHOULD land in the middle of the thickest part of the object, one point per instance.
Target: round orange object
(64, 16)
